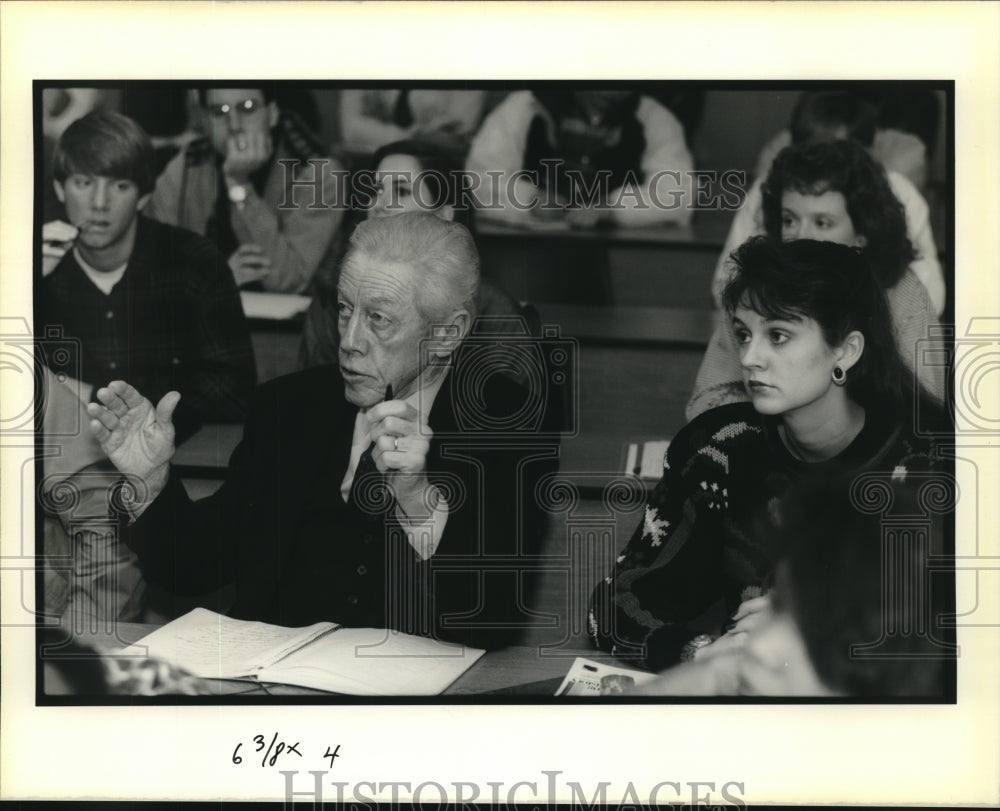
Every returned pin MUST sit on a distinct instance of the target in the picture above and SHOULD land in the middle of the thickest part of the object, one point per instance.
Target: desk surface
(209, 449)
(661, 326)
(522, 670)
(667, 327)
(707, 230)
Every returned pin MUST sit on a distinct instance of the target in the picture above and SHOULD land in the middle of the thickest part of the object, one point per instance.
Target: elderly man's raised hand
(138, 439)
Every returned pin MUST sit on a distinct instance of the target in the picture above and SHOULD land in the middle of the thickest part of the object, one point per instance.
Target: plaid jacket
(174, 321)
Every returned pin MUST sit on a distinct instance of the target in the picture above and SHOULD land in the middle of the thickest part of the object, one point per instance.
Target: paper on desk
(273, 306)
(214, 646)
(589, 678)
(323, 656)
(646, 460)
(374, 662)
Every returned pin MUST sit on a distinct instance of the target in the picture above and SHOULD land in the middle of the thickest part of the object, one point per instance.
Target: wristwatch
(238, 195)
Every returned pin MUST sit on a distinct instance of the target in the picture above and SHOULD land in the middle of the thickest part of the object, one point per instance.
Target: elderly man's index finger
(107, 396)
(102, 416)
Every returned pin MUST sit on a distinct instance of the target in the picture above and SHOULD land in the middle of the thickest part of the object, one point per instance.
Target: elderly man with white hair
(377, 493)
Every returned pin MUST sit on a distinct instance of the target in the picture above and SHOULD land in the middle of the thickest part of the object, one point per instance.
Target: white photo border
(901, 754)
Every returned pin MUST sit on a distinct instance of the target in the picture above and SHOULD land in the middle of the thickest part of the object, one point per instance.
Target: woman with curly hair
(834, 192)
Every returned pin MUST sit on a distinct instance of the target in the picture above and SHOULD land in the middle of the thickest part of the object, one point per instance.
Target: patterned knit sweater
(704, 535)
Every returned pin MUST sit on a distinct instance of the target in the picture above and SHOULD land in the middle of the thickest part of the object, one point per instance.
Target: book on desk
(324, 656)
(646, 459)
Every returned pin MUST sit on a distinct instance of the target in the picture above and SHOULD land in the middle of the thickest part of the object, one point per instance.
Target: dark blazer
(299, 554)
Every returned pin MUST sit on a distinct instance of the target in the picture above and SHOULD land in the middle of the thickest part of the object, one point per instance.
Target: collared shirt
(424, 536)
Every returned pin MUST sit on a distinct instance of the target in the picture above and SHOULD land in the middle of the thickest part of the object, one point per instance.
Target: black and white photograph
(460, 431)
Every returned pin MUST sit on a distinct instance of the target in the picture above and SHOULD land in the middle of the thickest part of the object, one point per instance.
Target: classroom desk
(668, 265)
(663, 327)
(206, 453)
(706, 231)
(277, 341)
(520, 670)
(275, 346)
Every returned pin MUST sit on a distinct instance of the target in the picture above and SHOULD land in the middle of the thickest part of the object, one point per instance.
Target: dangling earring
(839, 376)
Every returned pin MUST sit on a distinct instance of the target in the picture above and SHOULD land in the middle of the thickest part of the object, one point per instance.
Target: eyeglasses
(245, 107)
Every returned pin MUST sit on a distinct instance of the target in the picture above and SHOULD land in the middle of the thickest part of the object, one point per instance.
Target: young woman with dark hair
(828, 393)
(835, 192)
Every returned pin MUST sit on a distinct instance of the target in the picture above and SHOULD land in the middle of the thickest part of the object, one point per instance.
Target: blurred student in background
(832, 116)
(371, 119)
(834, 191)
(904, 153)
(620, 158)
(828, 393)
(260, 186)
(409, 176)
